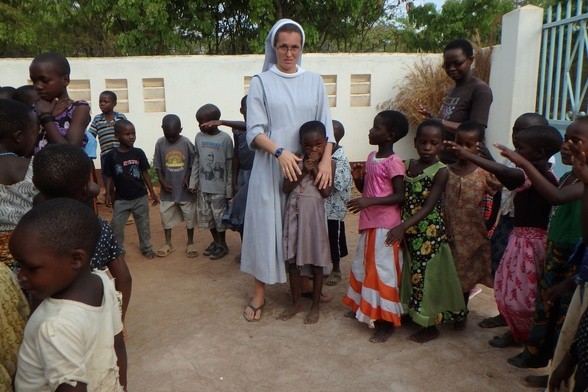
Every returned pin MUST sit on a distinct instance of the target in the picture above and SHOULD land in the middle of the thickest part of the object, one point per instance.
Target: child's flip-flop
(191, 250)
(165, 251)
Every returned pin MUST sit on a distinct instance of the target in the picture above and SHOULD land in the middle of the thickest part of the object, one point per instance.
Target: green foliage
(152, 174)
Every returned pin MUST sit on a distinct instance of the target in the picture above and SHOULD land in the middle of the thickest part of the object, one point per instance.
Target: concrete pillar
(515, 67)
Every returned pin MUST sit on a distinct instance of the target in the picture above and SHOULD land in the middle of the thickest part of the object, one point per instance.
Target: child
(242, 164)
(466, 229)
(126, 167)
(73, 340)
(173, 162)
(18, 135)
(376, 269)
(212, 146)
(504, 226)
(515, 283)
(62, 119)
(102, 126)
(62, 170)
(26, 94)
(305, 232)
(336, 206)
(563, 234)
(430, 290)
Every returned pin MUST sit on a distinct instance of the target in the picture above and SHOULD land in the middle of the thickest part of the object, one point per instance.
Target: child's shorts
(173, 213)
(211, 208)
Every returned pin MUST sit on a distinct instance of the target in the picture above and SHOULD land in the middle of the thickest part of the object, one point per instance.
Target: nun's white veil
(270, 51)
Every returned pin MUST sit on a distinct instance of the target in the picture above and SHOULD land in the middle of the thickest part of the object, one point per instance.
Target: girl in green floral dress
(430, 291)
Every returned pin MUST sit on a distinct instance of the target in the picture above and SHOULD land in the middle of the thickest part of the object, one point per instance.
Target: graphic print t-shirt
(125, 168)
(174, 160)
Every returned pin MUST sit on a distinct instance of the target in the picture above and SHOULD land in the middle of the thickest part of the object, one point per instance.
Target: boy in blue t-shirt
(126, 167)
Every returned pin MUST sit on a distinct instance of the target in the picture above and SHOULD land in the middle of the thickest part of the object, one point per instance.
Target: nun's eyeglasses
(295, 49)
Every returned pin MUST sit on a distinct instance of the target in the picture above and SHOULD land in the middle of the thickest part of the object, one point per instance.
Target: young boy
(126, 167)
(73, 340)
(336, 206)
(62, 170)
(102, 126)
(242, 164)
(172, 161)
(212, 147)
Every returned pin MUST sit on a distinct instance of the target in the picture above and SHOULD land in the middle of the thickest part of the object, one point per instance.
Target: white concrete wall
(191, 81)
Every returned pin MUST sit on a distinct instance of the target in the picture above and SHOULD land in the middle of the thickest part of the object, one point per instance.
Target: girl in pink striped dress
(373, 293)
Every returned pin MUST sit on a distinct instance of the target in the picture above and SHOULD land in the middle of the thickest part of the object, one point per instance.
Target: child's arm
(581, 172)
(236, 162)
(195, 173)
(229, 147)
(551, 193)
(162, 183)
(147, 180)
(397, 197)
(511, 178)
(358, 174)
(439, 182)
(121, 355)
(240, 125)
(109, 188)
(123, 281)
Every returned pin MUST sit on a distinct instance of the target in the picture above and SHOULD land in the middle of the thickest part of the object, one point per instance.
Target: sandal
(219, 252)
(191, 251)
(255, 310)
(493, 322)
(165, 251)
(334, 278)
(148, 254)
(506, 340)
(208, 251)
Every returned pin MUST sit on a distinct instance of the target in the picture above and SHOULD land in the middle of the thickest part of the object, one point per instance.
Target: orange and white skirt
(374, 281)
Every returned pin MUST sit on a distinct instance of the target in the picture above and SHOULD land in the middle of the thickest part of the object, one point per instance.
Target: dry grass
(426, 84)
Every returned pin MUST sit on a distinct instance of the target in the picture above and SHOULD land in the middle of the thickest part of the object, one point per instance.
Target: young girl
(562, 236)
(373, 292)
(515, 284)
(305, 223)
(464, 194)
(430, 290)
(62, 119)
(18, 134)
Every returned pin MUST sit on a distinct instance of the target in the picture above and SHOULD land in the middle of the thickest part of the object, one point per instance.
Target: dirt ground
(187, 333)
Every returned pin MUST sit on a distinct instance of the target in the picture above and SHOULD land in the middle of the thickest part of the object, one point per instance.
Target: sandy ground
(187, 333)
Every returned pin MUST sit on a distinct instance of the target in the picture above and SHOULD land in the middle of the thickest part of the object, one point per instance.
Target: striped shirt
(104, 131)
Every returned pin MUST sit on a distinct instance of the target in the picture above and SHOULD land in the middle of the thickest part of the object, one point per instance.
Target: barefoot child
(172, 161)
(62, 119)
(73, 340)
(336, 206)
(430, 290)
(305, 231)
(373, 293)
(126, 167)
(515, 283)
(563, 234)
(466, 229)
(18, 135)
(212, 147)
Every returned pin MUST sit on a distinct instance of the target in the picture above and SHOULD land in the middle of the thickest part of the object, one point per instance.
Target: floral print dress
(430, 291)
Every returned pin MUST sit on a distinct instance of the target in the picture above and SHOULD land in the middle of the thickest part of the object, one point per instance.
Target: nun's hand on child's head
(358, 204)
(289, 165)
(324, 176)
(511, 155)
(394, 235)
(579, 167)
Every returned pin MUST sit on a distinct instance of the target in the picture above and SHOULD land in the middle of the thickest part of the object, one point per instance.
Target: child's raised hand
(426, 113)
(357, 171)
(358, 204)
(394, 235)
(457, 150)
(511, 155)
(43, 107)
(212, 124)
(579, 167)
(309, 164)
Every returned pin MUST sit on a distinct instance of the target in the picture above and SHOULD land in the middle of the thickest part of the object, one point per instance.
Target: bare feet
(313, 315)
(383, 331)
(288, 314)
(425, 335)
